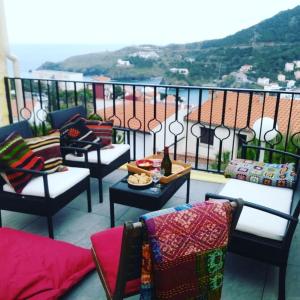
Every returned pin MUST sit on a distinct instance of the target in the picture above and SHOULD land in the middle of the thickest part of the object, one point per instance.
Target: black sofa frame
(97, 170)
(42, 206)
(267, 250)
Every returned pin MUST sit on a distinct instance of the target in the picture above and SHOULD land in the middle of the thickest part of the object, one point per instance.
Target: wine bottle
(166, 164)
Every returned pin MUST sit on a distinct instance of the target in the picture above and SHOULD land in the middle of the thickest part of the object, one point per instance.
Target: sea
(31, 56)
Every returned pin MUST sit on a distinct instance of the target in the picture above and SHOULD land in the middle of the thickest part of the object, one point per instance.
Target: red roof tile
(236, 111)
(144, 112)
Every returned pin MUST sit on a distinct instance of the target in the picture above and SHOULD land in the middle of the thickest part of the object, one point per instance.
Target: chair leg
(50, 227)
(281, 290)
(0, 219)
(89, 199)
(100, 190)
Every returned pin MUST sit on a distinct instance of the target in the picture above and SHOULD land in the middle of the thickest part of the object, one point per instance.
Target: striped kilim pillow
(47, 147)
(15, 153)
(102, 129)
(77, 130)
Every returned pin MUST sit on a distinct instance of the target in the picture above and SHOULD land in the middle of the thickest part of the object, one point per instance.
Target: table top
(122, 186)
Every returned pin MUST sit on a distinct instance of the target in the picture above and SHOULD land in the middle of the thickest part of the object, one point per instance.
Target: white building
(190, 59)
(263, 81)
(289, 67)
(290, 84)
(146, 54)
(123, 63)
(297, 63)
(66, 79)
(143, 139)
(182, 71)
(297, 75)
(281, 77)
(239, 76)
(272, 86)
(246, 68)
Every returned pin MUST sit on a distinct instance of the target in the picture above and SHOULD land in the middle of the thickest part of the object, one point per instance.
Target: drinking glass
(156, 175)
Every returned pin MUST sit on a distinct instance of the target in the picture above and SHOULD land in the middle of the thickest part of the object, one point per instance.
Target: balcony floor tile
(244, 278)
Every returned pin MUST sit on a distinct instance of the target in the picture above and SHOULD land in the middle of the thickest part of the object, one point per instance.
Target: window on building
(207, 136)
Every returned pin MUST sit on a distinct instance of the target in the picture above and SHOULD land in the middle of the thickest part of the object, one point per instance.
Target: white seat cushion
(107, 155)
(58, 182)
(258, 222)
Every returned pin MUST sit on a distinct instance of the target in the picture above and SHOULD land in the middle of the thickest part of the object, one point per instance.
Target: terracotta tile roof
(236, 111)
(101, 78)
(133, 123)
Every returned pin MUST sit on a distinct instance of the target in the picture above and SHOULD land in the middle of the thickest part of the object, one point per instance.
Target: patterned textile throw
(15, 153)
(77, 130)
(48, 147)
(280, 175)
(183, 257)
(102, 129)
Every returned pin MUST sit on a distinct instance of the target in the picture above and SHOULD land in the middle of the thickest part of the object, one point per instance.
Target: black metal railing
(205, 126)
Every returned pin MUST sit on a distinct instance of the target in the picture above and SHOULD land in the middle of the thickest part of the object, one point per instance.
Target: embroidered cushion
(15, 153)
(102, 129)
(47, 147)
(39, 268)
(77, 130)
(280, 175)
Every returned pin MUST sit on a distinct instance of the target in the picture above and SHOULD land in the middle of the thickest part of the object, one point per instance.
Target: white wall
(212, 149)
(159, 136)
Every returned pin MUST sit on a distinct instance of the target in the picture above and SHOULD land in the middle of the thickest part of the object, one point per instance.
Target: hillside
(267, 46)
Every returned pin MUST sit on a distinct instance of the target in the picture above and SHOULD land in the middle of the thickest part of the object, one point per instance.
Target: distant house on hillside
(297, 75)
(246, 68)
(297, 63)
(281, 77)
(234, 129)
(67, 78)
(289, 67)
(182, 71)
(146, 54)
(139, 116)
(263, 81)
(240, 76)
(273, 86)
(123, 63)
(290, 84)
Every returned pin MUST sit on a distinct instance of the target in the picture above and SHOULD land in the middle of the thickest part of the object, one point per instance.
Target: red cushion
(107, 246)
(37, 267)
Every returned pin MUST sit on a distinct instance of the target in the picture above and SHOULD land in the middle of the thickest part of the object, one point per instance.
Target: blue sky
(133, 22)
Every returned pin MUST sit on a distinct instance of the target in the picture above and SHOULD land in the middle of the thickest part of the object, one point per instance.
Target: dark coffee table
(144, 198)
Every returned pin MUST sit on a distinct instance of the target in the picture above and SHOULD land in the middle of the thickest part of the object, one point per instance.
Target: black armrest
(121, 129)
(34, 172)
(76, 149)
(244, 146)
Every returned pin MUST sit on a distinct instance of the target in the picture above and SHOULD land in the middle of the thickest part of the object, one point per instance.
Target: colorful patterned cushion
(102, 129)
(77, 130)
(15, 153)
(280, 175)
(47, 147)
